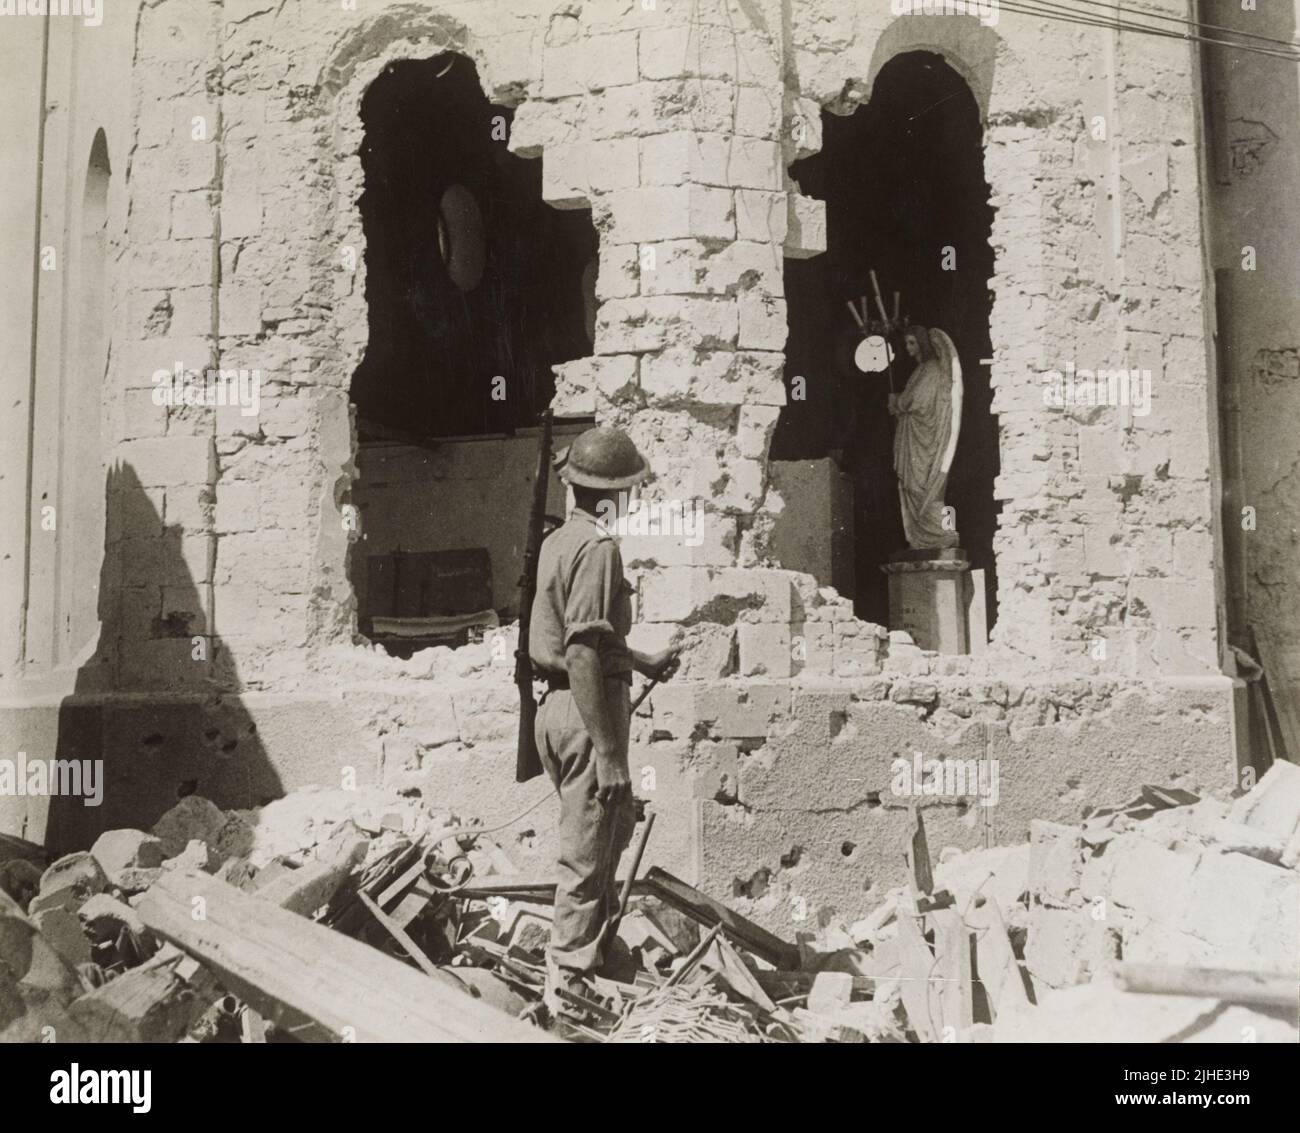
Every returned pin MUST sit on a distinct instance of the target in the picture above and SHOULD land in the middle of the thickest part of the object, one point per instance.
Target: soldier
(578, 643)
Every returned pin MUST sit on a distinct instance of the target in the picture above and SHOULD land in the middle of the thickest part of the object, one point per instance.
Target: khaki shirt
(581, 589)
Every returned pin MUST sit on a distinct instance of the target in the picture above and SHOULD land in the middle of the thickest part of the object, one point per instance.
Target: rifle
(528, 763)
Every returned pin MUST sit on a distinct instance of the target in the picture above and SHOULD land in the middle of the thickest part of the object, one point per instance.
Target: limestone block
(619, 274)
(564, 176)
(708, 51)
(62, 929)
(762, 322)
(754, 429)
(694, 267)
(575, 388)
(487, 714)
(708, 653)
(538, 125)
(116, 850)
(724, 596)
(1065, 946)
(762, 217)
(1055, 863)
(609, 60)
(856, 649)
(1245, 909)
(167, 461)
(69, 883)
(682, 156)
(805, 227)
(1273, 804)
(741, 711)
(813, 649)
(663, 212)
(237, 506)
(564, 69)
(759, 113)
(191, 215)
(713, 377)
(804, 134)
(765, 649)
(1175, 604)
(194, 818)
(715, 770)
(171, 263)
(649, 323)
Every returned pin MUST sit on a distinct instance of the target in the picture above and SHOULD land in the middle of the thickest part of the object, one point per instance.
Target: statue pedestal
(927, 597)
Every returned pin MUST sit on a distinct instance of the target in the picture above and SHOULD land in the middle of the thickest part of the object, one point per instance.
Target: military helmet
(602, 458)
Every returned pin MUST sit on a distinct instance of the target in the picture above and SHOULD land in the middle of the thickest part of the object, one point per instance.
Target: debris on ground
(369, 916)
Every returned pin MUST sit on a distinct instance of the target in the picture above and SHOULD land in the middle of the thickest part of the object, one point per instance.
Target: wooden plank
(531, 887)
(736, 972)
(284, 965)
(1266, 989)
(918, 969)
(786, 985)
(952, 949)
(703, 908)
(995, 959)
(918, 856)
(307, 888)
(154, 1003)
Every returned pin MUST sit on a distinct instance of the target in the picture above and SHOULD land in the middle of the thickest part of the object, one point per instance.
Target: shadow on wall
(158, 702)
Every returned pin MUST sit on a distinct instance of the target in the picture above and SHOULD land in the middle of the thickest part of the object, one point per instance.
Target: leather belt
(559, 682)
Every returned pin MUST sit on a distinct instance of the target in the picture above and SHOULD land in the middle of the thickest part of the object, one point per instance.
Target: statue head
(916, 340)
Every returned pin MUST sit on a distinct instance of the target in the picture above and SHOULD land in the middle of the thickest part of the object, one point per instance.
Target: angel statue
(929, 419)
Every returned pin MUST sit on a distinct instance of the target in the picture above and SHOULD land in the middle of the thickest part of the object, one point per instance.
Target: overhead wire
(1066, 13)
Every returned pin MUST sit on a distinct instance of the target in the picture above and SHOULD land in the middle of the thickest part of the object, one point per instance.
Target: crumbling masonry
(206, 212)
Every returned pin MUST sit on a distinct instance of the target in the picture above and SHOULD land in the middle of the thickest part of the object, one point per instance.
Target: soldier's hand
(666, 662)
(613, 784)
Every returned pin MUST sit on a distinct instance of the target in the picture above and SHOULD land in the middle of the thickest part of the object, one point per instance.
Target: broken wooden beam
(917, 963)
(285, 966)
(997, 968)
(703, 908)
(1264, 989)
(158, 1002)
(952, 946)
(530, 887)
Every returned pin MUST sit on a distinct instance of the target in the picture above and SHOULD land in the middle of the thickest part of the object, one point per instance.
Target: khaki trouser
(592, 837)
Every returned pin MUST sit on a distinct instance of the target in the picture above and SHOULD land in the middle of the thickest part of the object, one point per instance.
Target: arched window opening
(476, 289)
(905, 193)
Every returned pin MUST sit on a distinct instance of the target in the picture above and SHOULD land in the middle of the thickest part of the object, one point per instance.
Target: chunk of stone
(1273, 805)
(69, 883)
(117, 850)
(20, 879)
(194, 818)
(62, 928)
(830, 991)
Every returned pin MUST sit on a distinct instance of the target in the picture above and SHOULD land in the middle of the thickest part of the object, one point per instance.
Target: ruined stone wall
(228, 613)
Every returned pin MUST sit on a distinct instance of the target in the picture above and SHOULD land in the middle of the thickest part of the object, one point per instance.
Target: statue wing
(947, 355)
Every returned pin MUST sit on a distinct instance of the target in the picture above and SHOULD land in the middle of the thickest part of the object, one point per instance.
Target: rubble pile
(367, 915)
